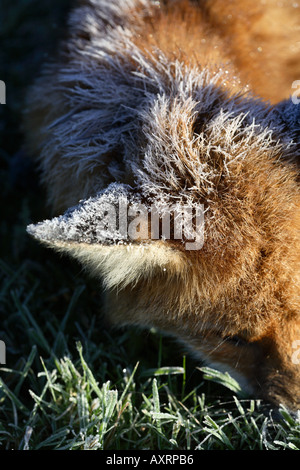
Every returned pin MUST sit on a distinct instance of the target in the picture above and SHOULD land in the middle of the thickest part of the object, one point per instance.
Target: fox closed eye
(236, 340)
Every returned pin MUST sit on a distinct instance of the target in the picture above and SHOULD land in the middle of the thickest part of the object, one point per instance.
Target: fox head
(189, 207)
(228, 287)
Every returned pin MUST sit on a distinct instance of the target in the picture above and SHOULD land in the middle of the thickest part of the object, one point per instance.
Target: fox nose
(281, 412)
(283, 400)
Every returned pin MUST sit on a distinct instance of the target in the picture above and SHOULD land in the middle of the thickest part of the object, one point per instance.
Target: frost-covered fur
(146, 100)
(116, 104)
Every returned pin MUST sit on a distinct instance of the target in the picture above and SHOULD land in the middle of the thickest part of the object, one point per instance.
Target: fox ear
(99, 233)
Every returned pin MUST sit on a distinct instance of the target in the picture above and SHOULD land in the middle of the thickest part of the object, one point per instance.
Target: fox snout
(266, 367)
(173, 172)
(278, 380)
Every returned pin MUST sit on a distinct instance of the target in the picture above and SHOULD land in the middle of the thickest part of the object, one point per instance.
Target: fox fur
(183, 102)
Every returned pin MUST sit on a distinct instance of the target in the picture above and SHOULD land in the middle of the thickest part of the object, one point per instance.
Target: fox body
(186, 103)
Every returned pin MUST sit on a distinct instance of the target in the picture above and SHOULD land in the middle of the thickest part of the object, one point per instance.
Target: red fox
(158, 115)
